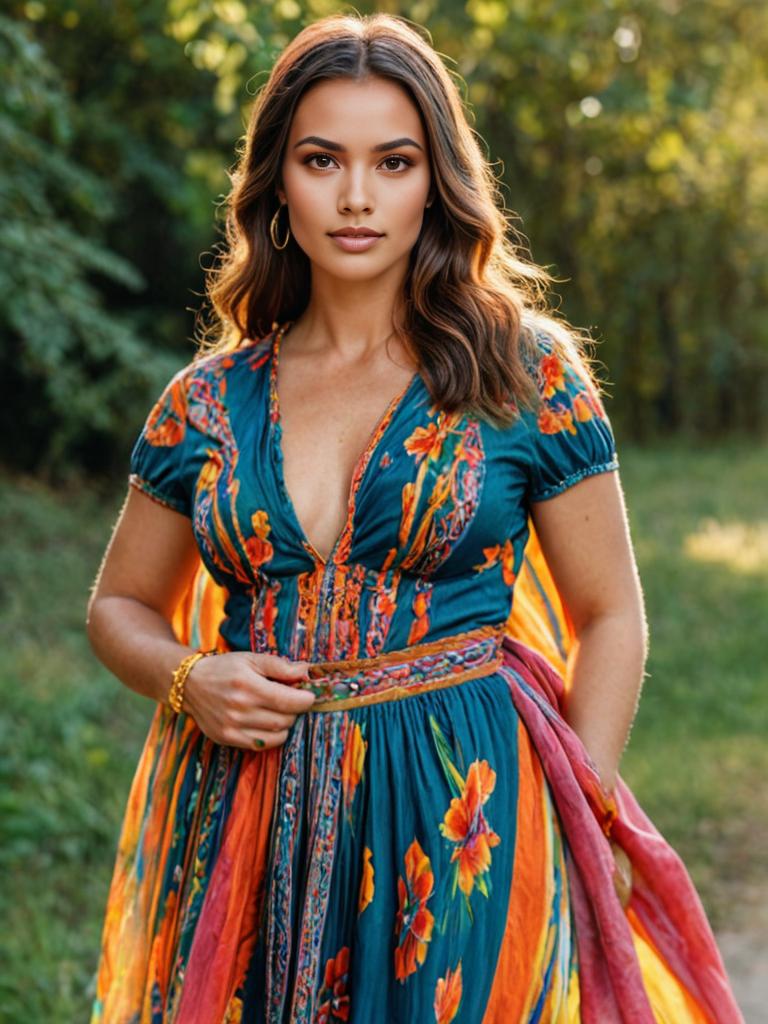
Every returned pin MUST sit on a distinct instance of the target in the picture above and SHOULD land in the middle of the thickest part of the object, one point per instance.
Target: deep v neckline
(341, 544)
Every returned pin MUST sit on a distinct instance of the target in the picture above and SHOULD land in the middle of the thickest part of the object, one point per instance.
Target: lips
(356, 233)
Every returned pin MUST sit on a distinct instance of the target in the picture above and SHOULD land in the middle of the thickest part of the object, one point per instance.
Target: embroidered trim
(398, 674)
(574, 478)
(151, 491)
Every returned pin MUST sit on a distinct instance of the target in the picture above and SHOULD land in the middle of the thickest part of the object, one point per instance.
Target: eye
(400, 159)
(318, 156)
(386, 160)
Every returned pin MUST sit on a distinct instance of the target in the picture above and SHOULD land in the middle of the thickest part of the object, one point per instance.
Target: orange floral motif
(210, 473)
(352, 762)
(409, 497)
(552, 371)
(552, 421)
(448, 996)
(505, 552)
(335, 1005)
(413, 925)
(168, 420)
(425, 441)
(581, 408)
(259, 549)
(420, 623)
(366, 882)
(465, 824)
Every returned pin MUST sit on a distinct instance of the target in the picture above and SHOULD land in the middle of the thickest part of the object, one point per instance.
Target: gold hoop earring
(273, 229)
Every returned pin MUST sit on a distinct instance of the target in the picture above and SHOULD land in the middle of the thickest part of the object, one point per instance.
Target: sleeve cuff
(574, 478)
(162, 499)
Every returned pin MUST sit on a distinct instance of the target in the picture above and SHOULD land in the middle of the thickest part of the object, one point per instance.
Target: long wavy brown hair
(473, 300)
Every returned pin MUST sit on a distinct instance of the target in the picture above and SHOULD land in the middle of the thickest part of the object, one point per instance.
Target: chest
(328, 425)
(378, 480)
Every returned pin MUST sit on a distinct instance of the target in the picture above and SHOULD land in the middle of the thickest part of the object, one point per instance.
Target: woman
(376, 802)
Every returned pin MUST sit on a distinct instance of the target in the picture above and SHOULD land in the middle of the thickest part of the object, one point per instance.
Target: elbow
(97, 621)
(91, 620)
(627, 620)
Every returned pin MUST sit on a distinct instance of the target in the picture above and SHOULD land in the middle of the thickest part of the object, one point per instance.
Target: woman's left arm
(585, 538)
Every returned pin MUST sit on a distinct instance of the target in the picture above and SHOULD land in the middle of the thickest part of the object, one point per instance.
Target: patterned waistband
(447, 661)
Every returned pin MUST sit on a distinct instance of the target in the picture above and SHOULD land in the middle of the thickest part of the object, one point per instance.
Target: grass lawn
(70, 734)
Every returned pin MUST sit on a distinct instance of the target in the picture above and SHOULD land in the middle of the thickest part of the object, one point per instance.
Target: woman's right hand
(240, 699)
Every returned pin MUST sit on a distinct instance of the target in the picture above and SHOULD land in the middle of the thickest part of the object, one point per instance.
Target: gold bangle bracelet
(176, 693)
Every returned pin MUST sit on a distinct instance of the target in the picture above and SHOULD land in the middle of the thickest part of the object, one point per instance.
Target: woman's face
(356, 156)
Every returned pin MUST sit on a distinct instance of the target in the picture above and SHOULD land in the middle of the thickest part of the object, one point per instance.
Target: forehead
(357, 112)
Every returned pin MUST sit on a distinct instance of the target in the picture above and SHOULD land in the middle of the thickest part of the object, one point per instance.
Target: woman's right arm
(237, 698)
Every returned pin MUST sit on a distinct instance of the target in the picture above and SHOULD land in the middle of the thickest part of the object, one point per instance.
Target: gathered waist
(447, 661)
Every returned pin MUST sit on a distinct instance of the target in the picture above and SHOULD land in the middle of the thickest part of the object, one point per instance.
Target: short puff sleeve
(571, 435)
(159, 456)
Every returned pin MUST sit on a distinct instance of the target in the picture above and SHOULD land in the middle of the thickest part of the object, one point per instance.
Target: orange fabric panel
(528, 907)
(234, 898)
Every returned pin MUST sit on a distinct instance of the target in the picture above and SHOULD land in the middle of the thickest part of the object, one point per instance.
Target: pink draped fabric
(663, 896)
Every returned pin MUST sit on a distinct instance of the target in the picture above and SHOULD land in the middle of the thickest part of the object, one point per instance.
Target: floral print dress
(397, 860)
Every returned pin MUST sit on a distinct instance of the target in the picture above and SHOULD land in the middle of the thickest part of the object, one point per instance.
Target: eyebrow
(315, 140)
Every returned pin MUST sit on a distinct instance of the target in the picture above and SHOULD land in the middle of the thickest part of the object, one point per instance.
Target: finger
(267, 720)
(257, 739)
(288, 699)
(275, 667)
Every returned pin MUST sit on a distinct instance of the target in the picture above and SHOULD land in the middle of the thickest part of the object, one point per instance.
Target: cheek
(404, 205)
(302, 194)
(410, 198)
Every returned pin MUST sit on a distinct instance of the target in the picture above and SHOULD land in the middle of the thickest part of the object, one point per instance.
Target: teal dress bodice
(437, 517)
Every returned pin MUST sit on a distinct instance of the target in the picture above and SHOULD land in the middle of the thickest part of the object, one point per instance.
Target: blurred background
(632, 141)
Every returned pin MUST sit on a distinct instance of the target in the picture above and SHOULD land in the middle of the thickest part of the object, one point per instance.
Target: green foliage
(632, 141)
(69, 365)
(628, 136)
(69, 740)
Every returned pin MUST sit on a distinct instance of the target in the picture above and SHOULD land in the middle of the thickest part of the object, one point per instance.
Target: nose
(355, 193)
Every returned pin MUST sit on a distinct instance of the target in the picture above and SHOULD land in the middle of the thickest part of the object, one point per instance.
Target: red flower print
(581, 408)
(465, 824)
(413, 924)
(425, 441)
(335, 1005)
(552, 421)
(505, 552)
(551, 369)
(366, 882)
(448, 996)
(508, 563)
(259, 549)
(168, 420)
(352, 762)
(420, 604)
